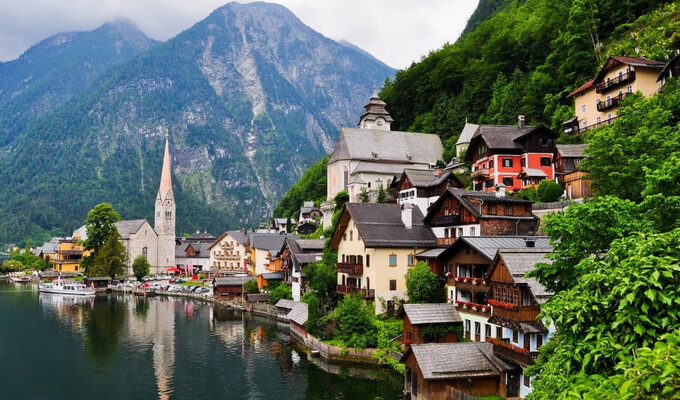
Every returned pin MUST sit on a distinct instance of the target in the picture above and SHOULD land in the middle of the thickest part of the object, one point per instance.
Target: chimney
(500, 190)
(407, 215)
(530, 242)
(520, 121)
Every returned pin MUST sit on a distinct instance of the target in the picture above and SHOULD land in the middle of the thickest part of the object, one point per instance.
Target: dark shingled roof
(439, 313)
(273, 242)
(299, 314)
(438, 361)
(463, 195)
(233, 280)
(503, 136)
(613, 61)
(520, 261)
(424, 178)
(257, 297)
(487, 246)
(380, 225)
(571, 150)
(287, 304)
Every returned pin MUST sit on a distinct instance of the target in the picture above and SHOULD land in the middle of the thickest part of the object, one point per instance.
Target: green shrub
(549, 190)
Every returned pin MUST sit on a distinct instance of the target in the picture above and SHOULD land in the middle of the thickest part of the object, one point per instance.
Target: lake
(123, 347)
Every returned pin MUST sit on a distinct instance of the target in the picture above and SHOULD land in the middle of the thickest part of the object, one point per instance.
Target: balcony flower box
(448, 274)
(502, 304)
(456, 279)
(497, 342)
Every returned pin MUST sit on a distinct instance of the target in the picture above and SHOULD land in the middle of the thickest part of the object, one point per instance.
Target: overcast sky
(396, 32)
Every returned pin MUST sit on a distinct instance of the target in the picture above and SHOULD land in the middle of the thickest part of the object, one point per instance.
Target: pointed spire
(166, 179)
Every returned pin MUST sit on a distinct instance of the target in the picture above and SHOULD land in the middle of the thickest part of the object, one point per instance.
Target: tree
(363, 196)
(549, 190)
(424, 286)
(382, 196)
(100, 225)
(582, 231)
(322, 280)
(12, 265)
(356, 322)
(251, 287)
(625, 302)
(140, 267)
(111, 258)
(282, 291)
(313, 314)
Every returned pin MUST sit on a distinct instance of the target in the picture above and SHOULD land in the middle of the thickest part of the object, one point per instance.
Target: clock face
(168, 202)
(380, 122)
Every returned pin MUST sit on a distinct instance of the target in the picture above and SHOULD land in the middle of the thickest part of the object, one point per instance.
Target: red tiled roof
(582, 88)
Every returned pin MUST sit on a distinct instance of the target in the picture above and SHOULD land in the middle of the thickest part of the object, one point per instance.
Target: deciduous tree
(140, 267)
(423, 285)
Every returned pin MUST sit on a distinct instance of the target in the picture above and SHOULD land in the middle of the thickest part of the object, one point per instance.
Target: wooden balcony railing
(351, 268)
(612, 102)
(447, 220)
(367, 293)
(476, 284)
(445, 241)
(227, 257)
(481, 173)
(519, 314)
(614, 82)
(517, 355)
(473, 308)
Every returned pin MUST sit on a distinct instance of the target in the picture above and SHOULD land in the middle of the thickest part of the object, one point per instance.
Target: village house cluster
(480, 242)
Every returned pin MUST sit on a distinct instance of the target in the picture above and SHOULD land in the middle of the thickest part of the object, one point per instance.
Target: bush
(280, 292)
(528, 194)
(251, 287)
(549, 191)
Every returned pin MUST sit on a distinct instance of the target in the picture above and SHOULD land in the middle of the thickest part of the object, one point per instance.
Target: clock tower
(375, 117)
(164, 223)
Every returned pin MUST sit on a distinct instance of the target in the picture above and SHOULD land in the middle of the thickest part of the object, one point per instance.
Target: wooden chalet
(573, 180)
(516, 301)
(460, 213)
(284, 307)
(422, 187)
(439, 371)
(298, 318)
(418, 316)
(230, 288)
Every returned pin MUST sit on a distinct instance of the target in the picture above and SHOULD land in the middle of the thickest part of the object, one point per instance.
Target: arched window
(144, 252)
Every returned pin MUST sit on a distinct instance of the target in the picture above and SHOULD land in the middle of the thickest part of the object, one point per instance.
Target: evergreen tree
(111, 259)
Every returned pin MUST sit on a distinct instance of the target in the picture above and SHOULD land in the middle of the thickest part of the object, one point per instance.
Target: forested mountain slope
(250, 96)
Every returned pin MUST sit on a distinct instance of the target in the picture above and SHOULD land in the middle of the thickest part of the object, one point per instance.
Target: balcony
(446, 220)
(519, 314)
(74, 252)
(518, 355)
(227, 247)
(474, 284)
(232, 257)
(473, 308)
(614, 82)
(367, 293)
(612, 102)
(480, 174)
(351, 268)
(445, 241)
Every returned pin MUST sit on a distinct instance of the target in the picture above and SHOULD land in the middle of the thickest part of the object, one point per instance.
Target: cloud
(394, 31)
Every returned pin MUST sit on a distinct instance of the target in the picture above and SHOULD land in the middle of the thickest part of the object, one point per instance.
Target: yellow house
(596, 102)
(69, 255)
(376, 246)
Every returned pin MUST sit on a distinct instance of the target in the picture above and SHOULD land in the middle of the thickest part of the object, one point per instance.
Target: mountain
(250, 97)
(60, 67)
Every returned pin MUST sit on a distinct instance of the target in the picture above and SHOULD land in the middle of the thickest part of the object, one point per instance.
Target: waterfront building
(229, 253)
(418, 318)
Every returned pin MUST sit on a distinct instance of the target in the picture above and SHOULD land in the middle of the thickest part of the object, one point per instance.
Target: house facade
(516, 301)
(296, 254)
(422, 187)
(459, 213)
(69, 255)
(419, 317)
(140, 239)
(229, 253)
(573, 180)
(376, 246)
(597, 101)
(515, 156)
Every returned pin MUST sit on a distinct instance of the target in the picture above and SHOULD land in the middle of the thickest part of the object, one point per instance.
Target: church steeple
(164, 223)
(375, 117)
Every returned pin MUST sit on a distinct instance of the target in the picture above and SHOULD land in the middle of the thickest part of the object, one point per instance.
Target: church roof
(374, 109)
(467, 132)
(387, 146)
(129, 227)
(166, 178)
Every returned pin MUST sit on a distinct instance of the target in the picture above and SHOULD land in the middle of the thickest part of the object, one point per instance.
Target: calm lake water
(121, 347)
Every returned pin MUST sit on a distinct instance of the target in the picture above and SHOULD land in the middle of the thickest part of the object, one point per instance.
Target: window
(478, 186)
(393, 260)
(585, 123)
(492, 208)
(393, 284)
(527, 381)
(598, 120)
(515, 299)
(609, 116)
(368, 260)
(489, 183)
(472, 231)
(508, 210)
(526, 298)
(583, 108)
(629, 89)
(478, 328)
(411, 260)
(144, 252)
(507, 162)
(467, 326)
(545, 161)
(487, 331)
(460, 232)
(515, 336)
(523, 162)
(508, 181)
(344, 236)
(490, 164)
(482, 149)
(351, 235)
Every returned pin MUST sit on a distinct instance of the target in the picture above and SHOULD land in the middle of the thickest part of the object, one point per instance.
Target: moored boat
(66, 287)
(20, 278)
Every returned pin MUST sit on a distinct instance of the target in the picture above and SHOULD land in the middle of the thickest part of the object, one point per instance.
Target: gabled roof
(379, 168)
(581, 88)
(425, 178)
(533, 173)
(382, 145)
(466, 134)
(287, 304)
(668, 66)
(299, 314)
(519, 262)
(504, 137)
(571, 150)
(438, 313)
(439, 361)
(129, 227)
(272, 242)
(380, 225)
(613, 61)
(463, 196)
(487, 246)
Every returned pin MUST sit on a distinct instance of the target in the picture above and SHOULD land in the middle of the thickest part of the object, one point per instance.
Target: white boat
(20, 278)
(66, 287)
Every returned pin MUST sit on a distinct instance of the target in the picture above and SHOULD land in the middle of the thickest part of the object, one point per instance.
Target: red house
(515, 156)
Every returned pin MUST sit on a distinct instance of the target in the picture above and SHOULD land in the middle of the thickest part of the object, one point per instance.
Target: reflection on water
(160, 348)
